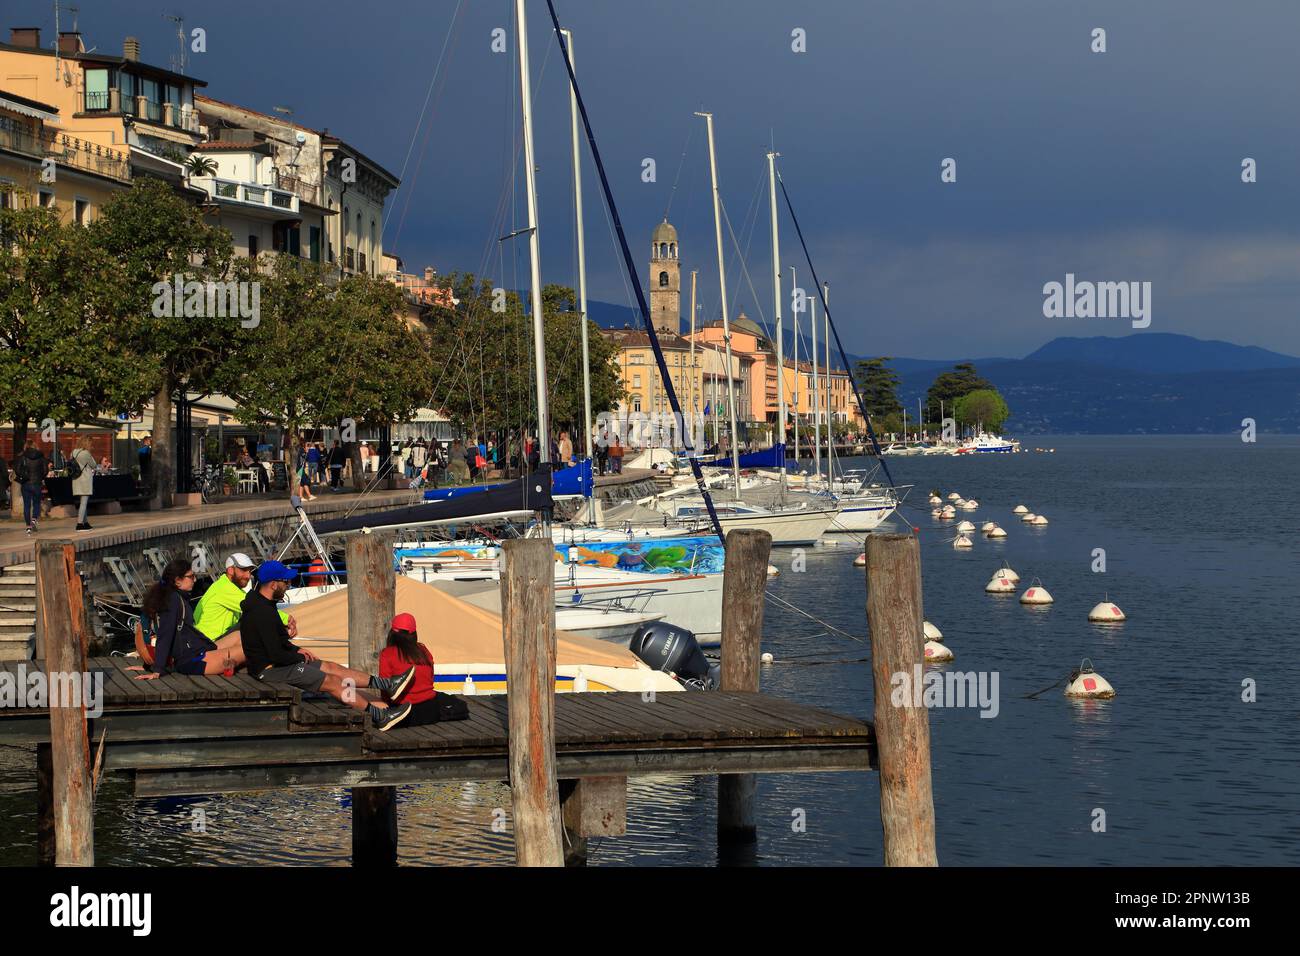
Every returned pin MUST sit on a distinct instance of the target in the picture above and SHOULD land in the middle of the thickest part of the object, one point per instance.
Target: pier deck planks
(216, 739)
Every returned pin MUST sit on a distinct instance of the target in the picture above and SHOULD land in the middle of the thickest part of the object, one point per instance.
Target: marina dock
(567, 757)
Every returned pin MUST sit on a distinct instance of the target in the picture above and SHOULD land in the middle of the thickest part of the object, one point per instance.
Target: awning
(27, 109)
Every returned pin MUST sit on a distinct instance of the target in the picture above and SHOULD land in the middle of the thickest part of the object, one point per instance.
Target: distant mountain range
(1144, 383)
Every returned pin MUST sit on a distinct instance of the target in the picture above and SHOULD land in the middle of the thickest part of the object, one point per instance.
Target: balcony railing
(65, 150)
(97, 101)
(304, 190)
(244, 192)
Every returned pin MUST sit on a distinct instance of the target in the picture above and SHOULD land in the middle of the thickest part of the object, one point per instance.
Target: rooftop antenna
(178, 62)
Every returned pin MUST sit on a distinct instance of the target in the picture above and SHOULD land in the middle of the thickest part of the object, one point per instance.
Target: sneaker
(30, 529)
(393, 687)
(391, 717)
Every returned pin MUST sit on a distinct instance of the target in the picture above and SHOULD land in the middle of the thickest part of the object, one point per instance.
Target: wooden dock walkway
(183, 735)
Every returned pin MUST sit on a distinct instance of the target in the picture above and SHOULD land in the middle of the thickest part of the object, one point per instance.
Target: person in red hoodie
(403, 651)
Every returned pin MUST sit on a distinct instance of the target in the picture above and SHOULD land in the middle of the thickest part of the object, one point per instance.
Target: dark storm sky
(1123, 165)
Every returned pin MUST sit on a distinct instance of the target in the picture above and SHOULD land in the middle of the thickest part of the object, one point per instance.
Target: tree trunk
(291, 461)
(163, 456)
(358, 476)
(20, 439)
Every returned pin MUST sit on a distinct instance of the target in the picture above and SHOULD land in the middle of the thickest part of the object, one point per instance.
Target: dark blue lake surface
(1202, 555)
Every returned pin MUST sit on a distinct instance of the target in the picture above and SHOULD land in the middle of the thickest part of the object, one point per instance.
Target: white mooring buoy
(1039, 519)
(1007, 573)
(953, 496)
(767, 657)
(1106, 613)
(1020, 510)
(861, 560)
(965, 526)
(931, 632)
(773, 570)
(936, 653)
(936, 500)
(1000, 586)
(1036, 594)
(962, 542)
(970, 504)
(987, 526)
(997, 532)
(1028, 516)
(936, 513)
(1087, 683)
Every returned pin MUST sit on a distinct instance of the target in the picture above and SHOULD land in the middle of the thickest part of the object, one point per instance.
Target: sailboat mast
(776, 302)
(534, 247)
(830, 431)
(722, 282)
(588, 424)
(794, 315)
(692, 404)
(816, 396)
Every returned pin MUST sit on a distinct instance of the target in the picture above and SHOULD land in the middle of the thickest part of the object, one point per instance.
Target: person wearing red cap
(404, 651)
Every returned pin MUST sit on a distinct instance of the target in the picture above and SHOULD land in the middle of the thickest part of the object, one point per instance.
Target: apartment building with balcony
(81, 177)
(357, 188)
(117, 102)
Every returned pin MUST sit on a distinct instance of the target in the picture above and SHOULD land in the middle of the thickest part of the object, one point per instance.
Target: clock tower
(665, 280)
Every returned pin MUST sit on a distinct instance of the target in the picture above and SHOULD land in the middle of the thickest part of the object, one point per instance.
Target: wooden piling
(528, 624)
(744, 580)
(44, 806)
(372, 595)
(59, 606)
(895, 617)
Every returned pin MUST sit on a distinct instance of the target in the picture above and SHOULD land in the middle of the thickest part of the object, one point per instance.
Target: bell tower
(665, 280)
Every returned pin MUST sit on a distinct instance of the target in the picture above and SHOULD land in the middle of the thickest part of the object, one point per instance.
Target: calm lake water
(1201, 554)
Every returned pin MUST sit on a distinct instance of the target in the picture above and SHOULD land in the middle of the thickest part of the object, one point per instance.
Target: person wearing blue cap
(274, 658)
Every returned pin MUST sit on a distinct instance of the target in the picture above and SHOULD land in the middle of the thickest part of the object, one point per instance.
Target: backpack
(74, 469)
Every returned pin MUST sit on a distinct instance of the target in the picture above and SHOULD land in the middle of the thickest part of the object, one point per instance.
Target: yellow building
(41, 166)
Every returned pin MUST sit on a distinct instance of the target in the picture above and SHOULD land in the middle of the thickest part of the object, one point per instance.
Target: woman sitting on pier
(180, 647)
(404, 651)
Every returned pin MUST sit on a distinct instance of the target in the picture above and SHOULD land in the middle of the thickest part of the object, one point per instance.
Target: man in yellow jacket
(218, 611)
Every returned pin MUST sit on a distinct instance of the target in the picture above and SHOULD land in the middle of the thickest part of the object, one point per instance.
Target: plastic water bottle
(468, 690)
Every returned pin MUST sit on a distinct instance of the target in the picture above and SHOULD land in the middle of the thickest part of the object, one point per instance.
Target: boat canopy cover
(574, 480)
(773, 457)
(529, 493)
(454, 630)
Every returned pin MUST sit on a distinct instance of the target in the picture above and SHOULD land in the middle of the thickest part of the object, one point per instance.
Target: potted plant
(227, 481)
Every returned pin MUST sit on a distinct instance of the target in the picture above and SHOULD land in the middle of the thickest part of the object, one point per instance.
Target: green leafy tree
(878, 384)
(485, 344)
(949, 386)
(984, 407)
(60, 357)
(324, 353)
(154, 235)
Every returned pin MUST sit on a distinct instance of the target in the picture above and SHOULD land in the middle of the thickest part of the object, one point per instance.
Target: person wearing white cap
(218, 611)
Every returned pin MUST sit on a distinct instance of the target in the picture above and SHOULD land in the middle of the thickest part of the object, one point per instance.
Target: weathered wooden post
(58, 601)
(44, 806)
(894, 615)
(744, 580)
(528, 623)
(591, 806)
(372, 596)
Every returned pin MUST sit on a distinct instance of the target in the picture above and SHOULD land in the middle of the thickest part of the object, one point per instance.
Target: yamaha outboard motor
(674, 650)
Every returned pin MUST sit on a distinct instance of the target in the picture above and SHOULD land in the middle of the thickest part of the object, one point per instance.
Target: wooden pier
(567, 757)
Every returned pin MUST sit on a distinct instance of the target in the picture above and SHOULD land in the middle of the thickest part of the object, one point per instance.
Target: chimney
(131, 49)
(429, 274)
(25, 37)
(70, 43)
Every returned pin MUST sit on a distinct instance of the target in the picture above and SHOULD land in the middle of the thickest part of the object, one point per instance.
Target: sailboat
(788, 523)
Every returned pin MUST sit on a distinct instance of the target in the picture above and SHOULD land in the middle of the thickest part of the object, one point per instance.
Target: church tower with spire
(665, 280)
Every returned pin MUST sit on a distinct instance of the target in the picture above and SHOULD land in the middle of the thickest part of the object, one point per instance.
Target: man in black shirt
(273, 657)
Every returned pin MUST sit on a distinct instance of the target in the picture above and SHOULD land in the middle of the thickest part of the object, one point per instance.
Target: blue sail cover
(773, 457)
(574, 480)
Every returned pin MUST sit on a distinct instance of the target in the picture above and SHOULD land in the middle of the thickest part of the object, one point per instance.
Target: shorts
(195, 666)
(304, 676)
